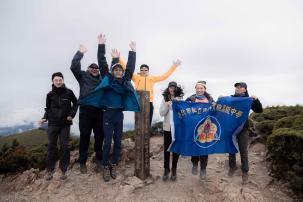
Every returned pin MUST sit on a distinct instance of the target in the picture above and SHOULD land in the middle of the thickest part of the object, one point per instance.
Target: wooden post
(142, 127)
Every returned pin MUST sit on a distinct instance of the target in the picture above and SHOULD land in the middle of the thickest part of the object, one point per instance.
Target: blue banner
(204, 128)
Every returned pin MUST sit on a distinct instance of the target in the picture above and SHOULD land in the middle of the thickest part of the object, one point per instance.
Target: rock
(134, 181)
(232, 193)
(28, 177)
(223, 179)
(74, 156)
(54, 185)
(149, 181)
(128, 150)
(155, 149)
(258, 148)
(213, 188)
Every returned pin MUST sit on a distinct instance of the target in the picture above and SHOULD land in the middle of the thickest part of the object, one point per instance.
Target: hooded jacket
(105, 94)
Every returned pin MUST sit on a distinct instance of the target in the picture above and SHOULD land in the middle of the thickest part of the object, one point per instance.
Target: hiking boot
(99, 165)
(63, 176)
(106, 174)
(244, 178)
(231, 171)
(49, 175)
(165, 174)
(113, 171)
(202, 174)
(194, 169)
(173, 176)
(83, 168)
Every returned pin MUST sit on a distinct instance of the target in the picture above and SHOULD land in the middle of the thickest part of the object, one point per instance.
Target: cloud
(260, 42)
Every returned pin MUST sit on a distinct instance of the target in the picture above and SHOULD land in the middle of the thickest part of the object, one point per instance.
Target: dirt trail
(31, 186)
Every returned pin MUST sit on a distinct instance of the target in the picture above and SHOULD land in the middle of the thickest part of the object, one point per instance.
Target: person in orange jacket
(145, 82)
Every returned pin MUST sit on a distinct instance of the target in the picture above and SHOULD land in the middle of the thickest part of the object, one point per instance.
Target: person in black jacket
(204, 97)
(90, 118)
(241, 91)
(61, 108)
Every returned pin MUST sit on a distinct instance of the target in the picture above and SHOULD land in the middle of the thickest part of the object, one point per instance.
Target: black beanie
(57, 74)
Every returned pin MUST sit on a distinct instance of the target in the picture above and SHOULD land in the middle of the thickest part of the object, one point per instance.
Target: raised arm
(168, 73)
(123, 63)
(256, 105)
(131, 62)
(103, 66)
(76, 62)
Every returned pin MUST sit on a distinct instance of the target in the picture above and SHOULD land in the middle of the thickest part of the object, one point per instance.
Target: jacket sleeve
(76, 65)
(130, 66)
(164, 108)
(122, 62)
(103, 66)
(256, 106)
(48, 105)
(165, 75)
(74, 109)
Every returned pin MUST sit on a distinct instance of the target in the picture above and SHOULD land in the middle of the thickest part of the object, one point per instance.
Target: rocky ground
(31, 185)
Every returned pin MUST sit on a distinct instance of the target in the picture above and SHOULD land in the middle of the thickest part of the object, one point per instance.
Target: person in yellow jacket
(145, 82)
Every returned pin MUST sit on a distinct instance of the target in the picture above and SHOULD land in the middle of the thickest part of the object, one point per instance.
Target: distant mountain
(5, 131)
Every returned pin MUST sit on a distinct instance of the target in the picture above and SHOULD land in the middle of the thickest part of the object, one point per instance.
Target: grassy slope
(28, 139)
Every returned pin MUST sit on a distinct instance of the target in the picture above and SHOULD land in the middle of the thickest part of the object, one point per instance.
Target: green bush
(157, 128)
(37, 157)
(294, 122)
(277, 112)
(285, 153)
(265, 128)
(19, 158)
(129, 134)
(14, 160)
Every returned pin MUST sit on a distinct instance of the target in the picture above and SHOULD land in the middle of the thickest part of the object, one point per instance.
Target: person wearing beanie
(61, 108)
(145, 82)
(201, 96)
(172, 92)
(90, 117)
(114, 95)
(242, 136)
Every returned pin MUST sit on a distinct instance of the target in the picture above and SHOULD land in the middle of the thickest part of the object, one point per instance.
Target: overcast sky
(260, 42)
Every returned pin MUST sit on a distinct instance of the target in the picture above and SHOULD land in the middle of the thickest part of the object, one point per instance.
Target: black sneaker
(83, 168)
(173, 176)
(165, 174)
(113, 171)
(194, 169)
(63, 175)
(106, 174)
(49, 175)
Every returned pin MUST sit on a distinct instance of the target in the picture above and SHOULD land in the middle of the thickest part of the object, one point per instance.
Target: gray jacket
(86, 81)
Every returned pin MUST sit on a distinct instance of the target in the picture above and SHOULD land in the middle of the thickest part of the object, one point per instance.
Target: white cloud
(260, 42)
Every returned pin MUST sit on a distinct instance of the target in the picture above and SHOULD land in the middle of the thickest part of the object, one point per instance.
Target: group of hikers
(105, 92)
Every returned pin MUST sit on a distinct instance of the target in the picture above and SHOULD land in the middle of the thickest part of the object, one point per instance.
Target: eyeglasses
(94, 68)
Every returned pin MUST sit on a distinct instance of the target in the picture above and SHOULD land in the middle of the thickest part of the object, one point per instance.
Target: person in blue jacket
(114, 95)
